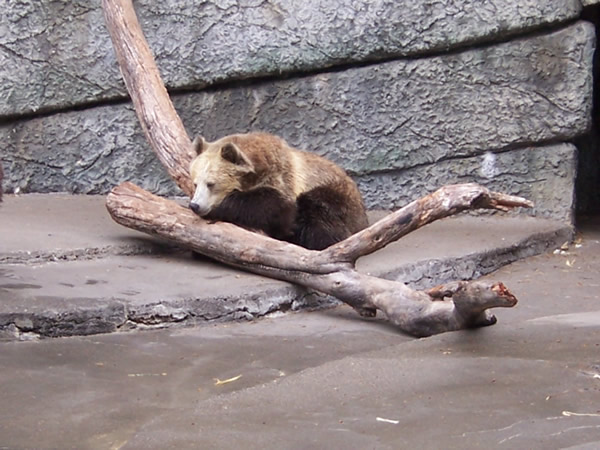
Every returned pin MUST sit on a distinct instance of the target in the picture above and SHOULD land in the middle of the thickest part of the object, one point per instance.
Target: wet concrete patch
(586, 319)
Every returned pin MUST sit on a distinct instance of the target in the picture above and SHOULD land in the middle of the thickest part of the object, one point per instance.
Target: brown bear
(259, 182)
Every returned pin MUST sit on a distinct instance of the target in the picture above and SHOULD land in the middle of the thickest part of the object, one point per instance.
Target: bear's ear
(199, 144)
(231, 152)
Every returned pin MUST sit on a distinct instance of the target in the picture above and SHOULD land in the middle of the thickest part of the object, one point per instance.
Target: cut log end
(448, 307)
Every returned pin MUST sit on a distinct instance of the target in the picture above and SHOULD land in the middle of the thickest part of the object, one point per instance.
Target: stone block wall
(406, 95)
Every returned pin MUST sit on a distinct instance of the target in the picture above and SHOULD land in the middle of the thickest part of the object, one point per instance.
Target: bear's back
(284, 167)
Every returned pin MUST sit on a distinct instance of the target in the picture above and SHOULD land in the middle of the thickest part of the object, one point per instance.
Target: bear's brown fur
(258, 181)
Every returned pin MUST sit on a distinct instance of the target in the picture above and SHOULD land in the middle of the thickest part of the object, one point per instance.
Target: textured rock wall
(543, 174)
(57, 53)
(463, 91)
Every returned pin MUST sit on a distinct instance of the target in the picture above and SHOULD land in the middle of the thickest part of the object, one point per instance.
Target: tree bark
(448, 307)
(159, 120)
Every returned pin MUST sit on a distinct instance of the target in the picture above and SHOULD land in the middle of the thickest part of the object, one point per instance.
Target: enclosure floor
(67, 269)
(325, 379)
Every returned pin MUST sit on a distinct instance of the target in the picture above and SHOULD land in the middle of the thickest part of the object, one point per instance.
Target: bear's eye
(210, 185)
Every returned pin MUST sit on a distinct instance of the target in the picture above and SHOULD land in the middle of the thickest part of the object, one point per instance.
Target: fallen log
(449, 307)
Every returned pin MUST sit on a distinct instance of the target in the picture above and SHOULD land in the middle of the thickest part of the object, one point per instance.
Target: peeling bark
(449, 307)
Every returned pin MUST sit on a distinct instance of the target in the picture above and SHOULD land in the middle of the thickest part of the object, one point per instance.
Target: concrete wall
(407, 96)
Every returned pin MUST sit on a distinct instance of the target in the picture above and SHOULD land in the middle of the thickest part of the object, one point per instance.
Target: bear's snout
(197, 209)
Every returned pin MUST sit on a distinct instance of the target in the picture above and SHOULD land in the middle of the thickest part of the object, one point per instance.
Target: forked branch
(449, 307)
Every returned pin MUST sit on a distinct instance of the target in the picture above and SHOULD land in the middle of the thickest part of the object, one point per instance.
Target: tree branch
(445, 308)
(159, 120)
(444, 202)
(418, 313)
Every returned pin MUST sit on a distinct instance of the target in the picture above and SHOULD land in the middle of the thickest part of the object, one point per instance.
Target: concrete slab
(327, 379)
(52, 227)
(67, 269)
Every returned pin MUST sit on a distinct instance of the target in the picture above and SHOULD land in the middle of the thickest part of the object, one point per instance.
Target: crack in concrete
(44, 163)
(18, 55)
(87, 253)
(459, 155)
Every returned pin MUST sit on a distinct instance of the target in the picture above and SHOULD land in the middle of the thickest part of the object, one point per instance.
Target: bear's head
(219, 169)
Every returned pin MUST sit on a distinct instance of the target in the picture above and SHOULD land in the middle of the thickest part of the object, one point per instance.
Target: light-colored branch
(446, 308)
(136, 208)
(444, 202)
(451, 307)
(161, 124)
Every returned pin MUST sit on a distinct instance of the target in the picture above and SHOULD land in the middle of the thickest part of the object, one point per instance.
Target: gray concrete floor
(327, 379)
(67, 269)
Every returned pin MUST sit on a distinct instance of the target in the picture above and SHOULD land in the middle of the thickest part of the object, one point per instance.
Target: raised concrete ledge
(105, 290)
(40, 228)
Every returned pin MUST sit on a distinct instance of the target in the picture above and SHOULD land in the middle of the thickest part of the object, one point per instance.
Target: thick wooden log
(445, 308)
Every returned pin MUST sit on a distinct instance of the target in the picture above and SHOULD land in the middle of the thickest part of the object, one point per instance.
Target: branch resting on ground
(449, 307)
